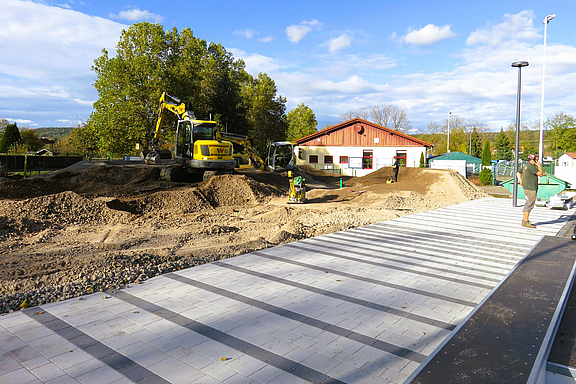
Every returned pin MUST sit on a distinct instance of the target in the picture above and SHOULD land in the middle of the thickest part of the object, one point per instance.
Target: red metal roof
(357, 120)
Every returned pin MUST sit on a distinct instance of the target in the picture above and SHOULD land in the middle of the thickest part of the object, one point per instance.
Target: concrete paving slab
(359, 306)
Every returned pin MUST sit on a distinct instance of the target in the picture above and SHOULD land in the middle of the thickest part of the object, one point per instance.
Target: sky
(428, 58)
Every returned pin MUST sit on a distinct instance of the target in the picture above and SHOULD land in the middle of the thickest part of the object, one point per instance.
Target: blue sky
(429, 58)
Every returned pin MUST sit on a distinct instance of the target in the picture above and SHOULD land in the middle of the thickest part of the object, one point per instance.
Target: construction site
(95, 225)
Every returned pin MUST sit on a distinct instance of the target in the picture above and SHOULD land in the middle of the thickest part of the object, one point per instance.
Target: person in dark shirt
(528, 179)
(395, 169)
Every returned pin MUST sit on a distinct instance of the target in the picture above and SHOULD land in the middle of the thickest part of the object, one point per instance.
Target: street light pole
(448, 143)
(519, 65)
(541, 145)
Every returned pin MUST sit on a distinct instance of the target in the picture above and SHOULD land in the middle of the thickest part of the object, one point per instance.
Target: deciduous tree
(266, 112)
(149, 61)
(31, 140)
(386, 115)
(301, 122)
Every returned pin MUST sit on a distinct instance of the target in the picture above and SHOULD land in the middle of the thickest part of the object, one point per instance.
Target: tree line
(468, 136)
(150, 60)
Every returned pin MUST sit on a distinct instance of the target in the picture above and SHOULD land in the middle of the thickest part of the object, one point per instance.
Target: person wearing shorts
(528, 179)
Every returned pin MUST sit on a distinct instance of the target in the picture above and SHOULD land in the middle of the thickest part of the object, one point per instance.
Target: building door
(401, 155)
(367, 159)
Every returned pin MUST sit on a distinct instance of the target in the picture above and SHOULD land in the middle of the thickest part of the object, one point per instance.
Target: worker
(395, 169)
(528, 179)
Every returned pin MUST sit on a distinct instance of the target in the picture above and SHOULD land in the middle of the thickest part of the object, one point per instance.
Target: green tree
(422, 161)
(10, 137)
(266, 112)
(476, 144)
(31, 140)
(562, 135)
(503, 147)
(301, 122)
(486, 172)
(81, 140)
(150, 61)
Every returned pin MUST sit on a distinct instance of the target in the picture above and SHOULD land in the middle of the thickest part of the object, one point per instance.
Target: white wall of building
(457, 165)
(566, 161)
(567, 174)
(381, 157)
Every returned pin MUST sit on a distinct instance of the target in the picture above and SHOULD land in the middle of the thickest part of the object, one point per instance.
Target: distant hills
(54, 133)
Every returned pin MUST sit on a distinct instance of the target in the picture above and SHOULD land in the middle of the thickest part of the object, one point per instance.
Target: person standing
(528, 179)
(395, 169)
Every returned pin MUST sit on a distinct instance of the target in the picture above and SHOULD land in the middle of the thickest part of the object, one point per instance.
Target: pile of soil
(94, 226)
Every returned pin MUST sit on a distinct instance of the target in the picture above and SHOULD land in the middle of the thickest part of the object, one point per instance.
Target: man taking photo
(528, 179)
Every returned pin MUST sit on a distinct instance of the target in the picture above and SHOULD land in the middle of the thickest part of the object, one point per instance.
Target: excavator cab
(281, 156)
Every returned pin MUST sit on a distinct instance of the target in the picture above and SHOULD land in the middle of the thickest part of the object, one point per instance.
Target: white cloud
(337, 43)
(256, 63)
(48, 55)
(514, 27)
(429, 35)
(18, 121)
(297, 32)
(266, 39)
(136, 14)
(246, 33)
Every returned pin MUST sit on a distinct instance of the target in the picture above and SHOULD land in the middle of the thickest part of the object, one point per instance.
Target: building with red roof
(357, 147)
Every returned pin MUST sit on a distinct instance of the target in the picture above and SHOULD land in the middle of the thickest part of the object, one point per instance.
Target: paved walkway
(360, 306)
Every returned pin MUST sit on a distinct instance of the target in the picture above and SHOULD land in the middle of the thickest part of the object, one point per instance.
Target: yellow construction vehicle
(197, 149)
(245, 156)
(297, 193)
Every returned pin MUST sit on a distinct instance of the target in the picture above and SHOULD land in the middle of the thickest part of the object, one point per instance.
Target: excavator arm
(174, 105)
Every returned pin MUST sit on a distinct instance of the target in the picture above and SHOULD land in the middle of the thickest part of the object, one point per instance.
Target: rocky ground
(94, 226)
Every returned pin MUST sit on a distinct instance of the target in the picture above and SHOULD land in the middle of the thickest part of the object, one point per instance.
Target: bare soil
(94, 226)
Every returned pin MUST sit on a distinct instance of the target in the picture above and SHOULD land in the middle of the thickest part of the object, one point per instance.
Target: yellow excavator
(197, 148)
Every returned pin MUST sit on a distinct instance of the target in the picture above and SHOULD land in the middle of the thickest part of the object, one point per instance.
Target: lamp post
(547, 19)
(519, 65)
(448, 142)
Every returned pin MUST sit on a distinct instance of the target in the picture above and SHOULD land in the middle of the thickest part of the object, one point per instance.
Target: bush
(486, 176)
(422, 163)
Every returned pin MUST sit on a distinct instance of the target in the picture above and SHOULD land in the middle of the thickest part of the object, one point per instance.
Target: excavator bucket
(156, 157)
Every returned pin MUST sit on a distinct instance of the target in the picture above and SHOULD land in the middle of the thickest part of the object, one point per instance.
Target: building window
(313, 159)
(328, 160)
(367, 159)
(343, 159)
(401, 155)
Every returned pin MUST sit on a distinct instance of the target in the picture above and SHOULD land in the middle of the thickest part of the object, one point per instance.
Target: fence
(504, 170)
(25, 163)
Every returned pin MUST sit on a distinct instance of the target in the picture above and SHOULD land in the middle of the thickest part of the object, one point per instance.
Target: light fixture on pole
(519, 65)
(448, 142)
(541, 145)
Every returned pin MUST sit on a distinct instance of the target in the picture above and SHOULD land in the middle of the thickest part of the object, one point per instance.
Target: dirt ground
(94, 226)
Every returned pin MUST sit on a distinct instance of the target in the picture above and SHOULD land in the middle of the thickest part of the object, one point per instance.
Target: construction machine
(244, 154)
(280, 153)
(197, 149)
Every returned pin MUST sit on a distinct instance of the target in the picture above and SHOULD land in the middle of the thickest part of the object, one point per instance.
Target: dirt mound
(59, 210)
(97, 225)
(231, 190)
